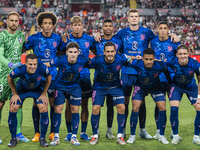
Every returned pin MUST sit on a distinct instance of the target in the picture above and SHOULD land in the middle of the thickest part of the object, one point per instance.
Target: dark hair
(149, 51)
(163, 22)
(46, 15)
(107, 20)
(109, 44)
(72, 45)
(182, 46)
(31, 56)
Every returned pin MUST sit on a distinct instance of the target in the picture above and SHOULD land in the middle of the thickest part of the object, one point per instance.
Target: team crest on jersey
(20, 40)
(116, 46)
(54, 44)
(118, 67)
(169, 48)
(155, 75)
(142, 36)
(87, 44)
(191, 73)
(79, 69)
(39, 78)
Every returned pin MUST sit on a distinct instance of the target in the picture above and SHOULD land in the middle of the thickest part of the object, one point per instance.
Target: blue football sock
(197, 124)
(174, 119)
(75, 122)
(69, 126)
(51, 117)
(126, 114)
(44, 122)
(12, 122)
(83, 126)
(120, 120)
(57, 122)
(142, 116)
(162, 119)
(133, 122)
(156, 115)
(94, 123)
(36, 118)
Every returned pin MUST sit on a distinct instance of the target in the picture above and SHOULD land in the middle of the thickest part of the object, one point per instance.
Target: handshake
(14, 65)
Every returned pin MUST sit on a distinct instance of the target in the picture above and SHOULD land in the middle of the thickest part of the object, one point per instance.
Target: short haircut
(149, 51)
(163, 22)
(46, 15)
(107, 20)
(31, 56)
(182, 46)
(133, 11)
(13, 13)
(109, 44)
(76, 19)
(72, 45)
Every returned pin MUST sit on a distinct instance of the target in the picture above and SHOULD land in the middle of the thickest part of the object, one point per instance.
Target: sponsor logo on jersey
(162, 56)
(47, 53)
(110, 75)
(75, 98)
(183, 79)
(70, 77)
(54, 44)
(20, 40)
(87, 44)
(31, 85)
(116, 46)
(146, 80)
(135, 45)
(142, 36)
(169, 48)
(157, 95)
(119, 97)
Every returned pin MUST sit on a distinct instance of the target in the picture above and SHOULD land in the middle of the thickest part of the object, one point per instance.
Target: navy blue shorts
(127, 81)
(176, 93)
(139, 94)
(86, 87)
(51, 89)
(117, 94)
(74, 95)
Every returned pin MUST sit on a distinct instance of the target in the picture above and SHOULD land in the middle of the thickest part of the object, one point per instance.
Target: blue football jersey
(107, 74)
(100, 45)
(68, 74)
(148, 79)
(30, 81)
(134, 42)
(184, 75)
(85, 43)
(164, 50)
(45, 48)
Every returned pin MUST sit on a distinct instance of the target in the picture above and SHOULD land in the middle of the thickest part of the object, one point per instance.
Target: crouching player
(107, 83)
(70, 66)
(184, 82)
(29, 85)
(148, 81)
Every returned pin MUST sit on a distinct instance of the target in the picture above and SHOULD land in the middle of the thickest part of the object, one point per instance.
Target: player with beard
(11, 43)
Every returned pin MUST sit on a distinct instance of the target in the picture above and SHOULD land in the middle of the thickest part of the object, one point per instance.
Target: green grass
(186, 130)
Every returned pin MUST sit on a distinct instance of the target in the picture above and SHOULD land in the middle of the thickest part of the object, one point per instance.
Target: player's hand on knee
(14, 99)
(198, 101)
(97, 37)
(64, 37)
(43, 98)
(12, 65)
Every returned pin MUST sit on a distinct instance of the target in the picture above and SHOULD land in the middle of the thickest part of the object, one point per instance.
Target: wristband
(198, 96)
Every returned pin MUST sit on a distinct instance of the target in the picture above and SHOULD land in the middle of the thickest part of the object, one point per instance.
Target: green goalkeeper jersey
(10, 49)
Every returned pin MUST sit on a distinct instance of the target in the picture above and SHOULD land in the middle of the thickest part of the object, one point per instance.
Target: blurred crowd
(186, 27)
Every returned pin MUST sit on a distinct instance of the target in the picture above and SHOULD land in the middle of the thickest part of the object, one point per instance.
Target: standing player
(164, 49)
(135, 40)
(85, 43)
(45, 45)
(107, 82)
(148, 82)
(99, 46)
(11, 43)
(184, 68)
(70, 66)
(29, 85)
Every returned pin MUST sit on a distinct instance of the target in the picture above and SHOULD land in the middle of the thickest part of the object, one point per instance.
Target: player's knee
(162, 108)
(197, 107)
(135, 108)
(13, 109)
(127, 99)
(43, 109)
(120, 108)
(2, 103)
(96, 109)
(58, 109)
(74, 109)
